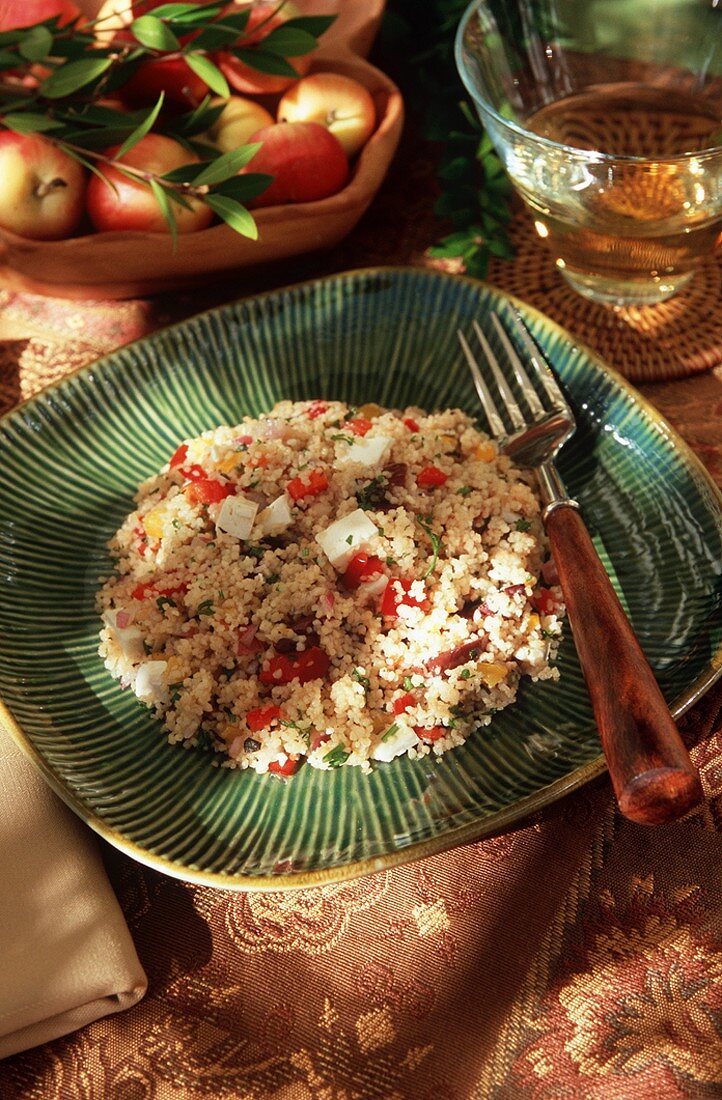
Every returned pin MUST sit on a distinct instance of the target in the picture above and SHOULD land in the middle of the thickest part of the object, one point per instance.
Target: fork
(653, 777)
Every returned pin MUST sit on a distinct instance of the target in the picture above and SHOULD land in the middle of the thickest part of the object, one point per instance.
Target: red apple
(42, 189)
(183, 89)
(306, 160)
(265, 16)
(338, 102)
(24, 13)
(132, 205)
(239, 119)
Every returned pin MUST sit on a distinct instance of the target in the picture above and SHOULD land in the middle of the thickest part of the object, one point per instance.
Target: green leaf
(216, 36)
(9, 60)
(264, 62)
(193, 15)
(185, 174)
(210, 73)
(24, 122)
(244, 188)
(154, 33)
(36, 44)
(289, 42)
(227, 165)
(76, 74)
(311, 24)
(140, 131)
(233, 214)
(169, 217)
(175, 11)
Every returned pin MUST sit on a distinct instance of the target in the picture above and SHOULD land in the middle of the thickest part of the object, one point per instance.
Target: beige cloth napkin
(66, 955)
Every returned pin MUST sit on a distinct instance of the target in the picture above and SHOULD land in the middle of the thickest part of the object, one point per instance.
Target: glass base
(626, 292)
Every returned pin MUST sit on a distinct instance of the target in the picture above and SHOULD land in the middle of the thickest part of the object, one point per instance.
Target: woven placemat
(674, 339)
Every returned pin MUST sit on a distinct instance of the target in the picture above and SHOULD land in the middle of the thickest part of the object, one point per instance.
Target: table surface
(579, 955)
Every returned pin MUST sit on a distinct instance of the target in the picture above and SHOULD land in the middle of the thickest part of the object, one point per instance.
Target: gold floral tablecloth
(579, 956)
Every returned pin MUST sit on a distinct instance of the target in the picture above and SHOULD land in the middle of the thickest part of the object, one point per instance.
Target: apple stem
(46, 187)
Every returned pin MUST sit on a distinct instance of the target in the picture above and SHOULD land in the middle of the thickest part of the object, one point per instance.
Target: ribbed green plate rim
(71, 457)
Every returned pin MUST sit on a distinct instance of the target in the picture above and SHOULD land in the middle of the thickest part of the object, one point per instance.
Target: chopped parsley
(337, 756)
(465, 673)
(204, 740)
(390, 560)
(175, 523)
(363, 680)
(205, 608)
(548, 634)
(464, 491)
(343, 438)
(272, 578)
(227, 672)
(435, 541)
(523, 524)
(393, 728)
(148, 649)
(175, 691)
(164, 601)
(303, 731)
(255, 551)
(409, 685)
(349, 540)
(305, 552)
(373, 494)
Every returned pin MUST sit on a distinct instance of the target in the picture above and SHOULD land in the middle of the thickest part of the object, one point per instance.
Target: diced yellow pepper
(229, 732)
(448, 441)
(485, 452)
(228, 464)
(370, 411)
(492, 674)
(533, 621)
(154, 522)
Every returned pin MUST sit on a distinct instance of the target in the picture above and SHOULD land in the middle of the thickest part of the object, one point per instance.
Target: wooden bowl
(130, 264)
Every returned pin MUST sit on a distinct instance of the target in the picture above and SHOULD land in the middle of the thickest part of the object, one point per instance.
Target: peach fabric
(67, 956)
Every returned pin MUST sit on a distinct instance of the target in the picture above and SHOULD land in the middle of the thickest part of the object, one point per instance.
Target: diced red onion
(273, 428)
(319, 739)
(328, 600)
(549, 572)
(247, 635)
(123, 619)
(243, 440)
(512, 589)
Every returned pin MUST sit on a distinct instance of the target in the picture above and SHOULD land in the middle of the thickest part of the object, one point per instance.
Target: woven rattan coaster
(671, 340)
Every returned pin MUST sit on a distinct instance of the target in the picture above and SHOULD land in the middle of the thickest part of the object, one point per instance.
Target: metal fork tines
(530, 415)
(653, 776)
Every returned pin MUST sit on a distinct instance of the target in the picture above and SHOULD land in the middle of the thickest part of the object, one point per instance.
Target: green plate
(70, 460)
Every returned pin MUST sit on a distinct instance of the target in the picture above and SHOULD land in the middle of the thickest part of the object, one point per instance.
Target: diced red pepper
(288, 768)
(311, 664)
(361, 568)
(431, 477)
(431, 735)
(318, 739)
(317, 409)
(194, 472)
(404, 703)
(258, 461)
(359, 425)
(179, 455)
(148, 588)
(209, 491)
(411, 424)
(543, 601)
(261, 717)
(396, 594)
(316, 481)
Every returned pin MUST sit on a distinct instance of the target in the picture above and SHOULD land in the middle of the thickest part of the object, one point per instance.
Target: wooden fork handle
(653, 777)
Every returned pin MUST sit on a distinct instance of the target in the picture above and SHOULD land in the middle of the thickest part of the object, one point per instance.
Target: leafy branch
(475, 191)
(53, 80)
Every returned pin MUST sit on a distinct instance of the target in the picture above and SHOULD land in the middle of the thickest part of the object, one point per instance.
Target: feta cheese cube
(341, 539)
(236, 516)
(275, 518)
(366, 452)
